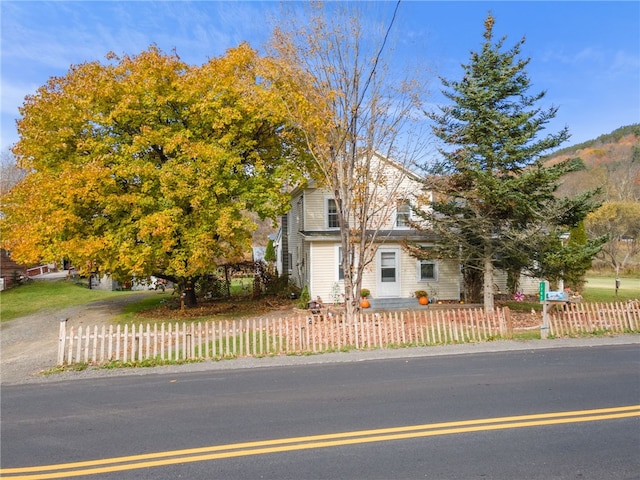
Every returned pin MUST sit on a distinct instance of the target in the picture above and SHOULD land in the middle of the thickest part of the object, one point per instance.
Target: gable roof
(312, 183)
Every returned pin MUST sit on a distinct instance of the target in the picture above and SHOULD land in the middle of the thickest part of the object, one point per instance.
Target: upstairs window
(403, 213)
(332, 214)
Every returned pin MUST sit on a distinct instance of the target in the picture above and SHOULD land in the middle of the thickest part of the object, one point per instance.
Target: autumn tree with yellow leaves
(620, 223)
(143, 165)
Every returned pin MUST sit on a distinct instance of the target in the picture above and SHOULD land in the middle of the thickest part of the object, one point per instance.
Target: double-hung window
(332, 213)
(403, 213)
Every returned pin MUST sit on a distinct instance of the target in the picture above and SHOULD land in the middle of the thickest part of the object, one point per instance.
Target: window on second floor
(332, 213)
(403, 213)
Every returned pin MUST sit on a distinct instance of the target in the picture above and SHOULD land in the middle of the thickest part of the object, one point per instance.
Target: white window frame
(419, 270)
(406, 216)
(327, 202)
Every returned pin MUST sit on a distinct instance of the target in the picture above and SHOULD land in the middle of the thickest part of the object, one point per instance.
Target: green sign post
(543, 291)
(544, 329)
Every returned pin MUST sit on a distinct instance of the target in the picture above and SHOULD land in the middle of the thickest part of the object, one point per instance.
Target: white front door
(388, 272)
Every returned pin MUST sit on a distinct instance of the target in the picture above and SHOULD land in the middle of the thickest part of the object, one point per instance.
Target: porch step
(395, 304)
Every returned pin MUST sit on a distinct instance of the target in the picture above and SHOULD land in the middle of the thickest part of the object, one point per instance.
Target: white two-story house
(308, 248)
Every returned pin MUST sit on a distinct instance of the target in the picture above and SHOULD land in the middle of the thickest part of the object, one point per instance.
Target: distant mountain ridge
(623, 135)
(611, 162)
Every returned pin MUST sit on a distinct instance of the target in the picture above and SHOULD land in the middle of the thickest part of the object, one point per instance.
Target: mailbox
(558, 296)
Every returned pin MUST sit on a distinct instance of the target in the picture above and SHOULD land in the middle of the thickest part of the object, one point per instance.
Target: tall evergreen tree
(270, 252)
(494, 201)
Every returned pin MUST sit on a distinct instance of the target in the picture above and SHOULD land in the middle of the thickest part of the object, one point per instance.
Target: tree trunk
(472, 279)
(351, 300)
(350, 310)
(488, 280)
(189, 293)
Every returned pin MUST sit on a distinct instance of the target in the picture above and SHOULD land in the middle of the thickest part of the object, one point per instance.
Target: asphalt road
(526, 414)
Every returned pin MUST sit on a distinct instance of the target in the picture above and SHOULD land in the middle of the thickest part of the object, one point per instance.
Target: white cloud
(561, 55)
(12, 97)
(40, 40)
(588, 54)
(623, 60)
(58, 34)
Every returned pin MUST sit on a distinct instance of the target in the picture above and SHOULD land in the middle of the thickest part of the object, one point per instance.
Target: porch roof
(334, 235)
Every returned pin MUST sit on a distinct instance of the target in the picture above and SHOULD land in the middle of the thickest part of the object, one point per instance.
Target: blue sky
(586, 55)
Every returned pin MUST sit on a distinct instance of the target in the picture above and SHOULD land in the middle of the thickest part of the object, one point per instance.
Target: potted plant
(364, 302)
(423, 298)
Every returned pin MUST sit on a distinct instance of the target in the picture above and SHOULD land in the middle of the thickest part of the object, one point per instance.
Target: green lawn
(48, 295)
(603, 289)
(597, 289)
(54, 295)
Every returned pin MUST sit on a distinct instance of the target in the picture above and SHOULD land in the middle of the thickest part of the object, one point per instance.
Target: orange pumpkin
(364, 303)
(423, 301)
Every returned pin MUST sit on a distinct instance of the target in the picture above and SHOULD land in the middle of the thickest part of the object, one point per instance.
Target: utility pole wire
(376, 60)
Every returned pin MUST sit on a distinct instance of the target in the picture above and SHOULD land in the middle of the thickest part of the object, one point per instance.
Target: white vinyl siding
(446, 286)
(324, 262)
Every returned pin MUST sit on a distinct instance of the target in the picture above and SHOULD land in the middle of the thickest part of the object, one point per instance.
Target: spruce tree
(493, 197)
(270, 252)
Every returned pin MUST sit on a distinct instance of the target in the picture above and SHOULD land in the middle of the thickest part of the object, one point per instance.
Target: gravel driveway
(28, 345)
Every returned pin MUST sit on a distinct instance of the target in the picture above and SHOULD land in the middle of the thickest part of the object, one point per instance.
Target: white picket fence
(283, 336)
(305, 334)
(584, 318)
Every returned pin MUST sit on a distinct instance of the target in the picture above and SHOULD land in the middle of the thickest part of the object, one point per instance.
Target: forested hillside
(611, 161)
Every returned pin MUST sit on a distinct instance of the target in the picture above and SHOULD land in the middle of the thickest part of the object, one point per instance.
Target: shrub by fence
(317, 334)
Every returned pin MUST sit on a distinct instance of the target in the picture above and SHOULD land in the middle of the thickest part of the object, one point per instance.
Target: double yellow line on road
(158, 459)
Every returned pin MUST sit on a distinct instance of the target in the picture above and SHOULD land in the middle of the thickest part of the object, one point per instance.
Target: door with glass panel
(388, 272)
